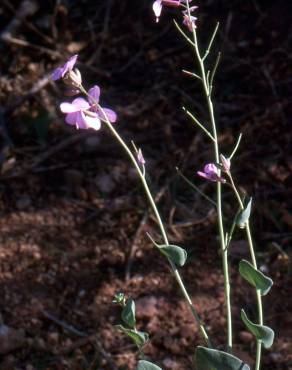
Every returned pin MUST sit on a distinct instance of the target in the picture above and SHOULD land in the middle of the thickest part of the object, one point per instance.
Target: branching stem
(157, 215)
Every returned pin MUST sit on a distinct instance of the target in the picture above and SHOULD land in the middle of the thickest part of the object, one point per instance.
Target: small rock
(146, 307)
(10, 339)
(168, 363)
(53, 338)
(105, 183)
(245, 336)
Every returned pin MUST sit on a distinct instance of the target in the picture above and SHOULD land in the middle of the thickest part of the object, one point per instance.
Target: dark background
(73, 216)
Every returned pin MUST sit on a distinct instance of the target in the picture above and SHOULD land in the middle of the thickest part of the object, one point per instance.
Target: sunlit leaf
(146, 365)
(128, 313)
(139, 337)
(243, 216)
(176, 254)
(255, 277)
(212, 359)
(261, 332)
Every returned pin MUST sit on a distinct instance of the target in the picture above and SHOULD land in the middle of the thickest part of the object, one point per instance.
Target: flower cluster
(188, 19)
(212, 171)
(83, 112)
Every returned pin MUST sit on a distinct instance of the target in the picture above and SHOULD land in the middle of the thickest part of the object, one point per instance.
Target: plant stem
(158, 218)
(254, 262)
(224, 250)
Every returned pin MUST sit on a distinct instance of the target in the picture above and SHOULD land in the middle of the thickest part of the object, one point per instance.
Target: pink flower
(78, 114)
(190, 21)
(62, 71)
(140, 157)
(211, 172)
(94, 94)
(158, 4)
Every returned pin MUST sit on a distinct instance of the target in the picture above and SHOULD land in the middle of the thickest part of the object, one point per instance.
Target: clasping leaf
(243, 216)
(261, 332)
(146, 365)
(212, 359)
(255, 277)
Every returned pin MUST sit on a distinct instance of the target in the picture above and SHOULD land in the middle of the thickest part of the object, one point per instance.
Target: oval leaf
(128, 313)
(139, 337)
(146, 365)
(212, 359)
(261, 332)
(176, 254)
(255, 277)
(243, 216)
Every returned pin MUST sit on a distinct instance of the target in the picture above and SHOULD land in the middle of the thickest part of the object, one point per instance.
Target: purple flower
(140, 157)
(211, 172)
(158, 4)
(78, 114)
(62, 71)
(93, 99)
(190, 21)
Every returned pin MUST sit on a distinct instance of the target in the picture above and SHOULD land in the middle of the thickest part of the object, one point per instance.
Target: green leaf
(255, 277)
(146, 365)
(176, 254)
(139, 337)
(128, 313)
(212, 359)
(261, 332)
(243, 216)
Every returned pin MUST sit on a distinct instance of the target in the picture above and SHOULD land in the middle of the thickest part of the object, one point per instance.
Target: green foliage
(128, 313)
(244, 215)
(138, 337)
(212, 359)
(255, 277)
(261, 332)
(146, 365)
(177, 255)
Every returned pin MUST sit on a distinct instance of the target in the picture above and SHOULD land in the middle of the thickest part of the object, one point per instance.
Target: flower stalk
(254, 263)
(157, 215)
(224, 251)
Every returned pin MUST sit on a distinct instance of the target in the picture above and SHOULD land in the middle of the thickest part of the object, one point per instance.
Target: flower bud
(226, 163)
(75, 77)
(140, 157)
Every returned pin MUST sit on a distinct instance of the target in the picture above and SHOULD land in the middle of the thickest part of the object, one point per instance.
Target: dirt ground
(73, 216)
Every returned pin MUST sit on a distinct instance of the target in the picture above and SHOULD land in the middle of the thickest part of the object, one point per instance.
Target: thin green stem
(236, 146)
(198, 123)
(196, 188)
(211, 42)
(184, 35)
(158, 218)
(254, 263)
(224, 251)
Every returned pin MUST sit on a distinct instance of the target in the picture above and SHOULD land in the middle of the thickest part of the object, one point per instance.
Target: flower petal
(57, 74)
(157, 8)
(71, 118)
(94, 93)
(81, 103)
(68, 108)
(110, 114)
(71, 62)
(84, 121)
